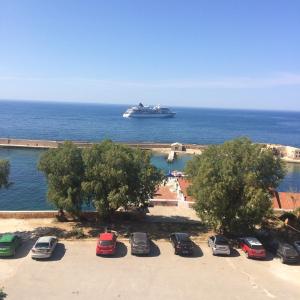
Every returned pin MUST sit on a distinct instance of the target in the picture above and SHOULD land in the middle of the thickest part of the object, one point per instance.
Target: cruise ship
(141, 111)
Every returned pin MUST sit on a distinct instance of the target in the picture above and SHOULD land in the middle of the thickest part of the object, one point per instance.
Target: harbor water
(91, 122)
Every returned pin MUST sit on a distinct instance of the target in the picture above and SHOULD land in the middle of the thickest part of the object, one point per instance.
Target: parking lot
(75, 272)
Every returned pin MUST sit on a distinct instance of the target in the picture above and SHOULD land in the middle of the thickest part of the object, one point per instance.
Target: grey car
(140, 243)
(287, 253)
(297, 246)
(44, 247)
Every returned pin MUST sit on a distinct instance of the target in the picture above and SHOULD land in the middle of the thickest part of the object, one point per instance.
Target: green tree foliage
(231, 184)
(64, 171)
(107, 175)
(118, 176)
(4, 173)
(2, 294)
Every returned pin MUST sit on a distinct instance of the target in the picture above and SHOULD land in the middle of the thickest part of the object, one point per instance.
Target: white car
(297, 246)
(44, 247)
(219, 245)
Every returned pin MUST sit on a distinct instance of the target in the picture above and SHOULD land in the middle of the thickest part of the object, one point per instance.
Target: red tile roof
(289, 201)
(164, 192)
(184, 184)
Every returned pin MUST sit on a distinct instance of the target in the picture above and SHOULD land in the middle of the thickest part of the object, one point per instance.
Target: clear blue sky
(241, 54)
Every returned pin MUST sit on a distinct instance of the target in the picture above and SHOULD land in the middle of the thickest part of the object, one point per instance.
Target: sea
(95, 122)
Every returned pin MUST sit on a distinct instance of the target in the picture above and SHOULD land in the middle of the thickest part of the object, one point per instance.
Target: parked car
(252, 247)
(219, 245)
(44, 247)
(106, 244)
(181, 243)
(9, 244)
(287, 253)
(297, 246)
(140, 243)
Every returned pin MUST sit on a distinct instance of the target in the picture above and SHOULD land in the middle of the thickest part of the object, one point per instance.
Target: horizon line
(129, 104)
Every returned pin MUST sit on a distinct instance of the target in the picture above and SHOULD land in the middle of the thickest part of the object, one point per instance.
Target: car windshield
(4, 245)
(42, 245)
(140, 242)
(257, 247)
(221, 242)
(106, 243)
(290, 251)
(185, 241)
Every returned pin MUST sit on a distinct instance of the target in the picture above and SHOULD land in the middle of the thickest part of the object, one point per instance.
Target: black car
(286, 252)
(140, 243)
(181, 243)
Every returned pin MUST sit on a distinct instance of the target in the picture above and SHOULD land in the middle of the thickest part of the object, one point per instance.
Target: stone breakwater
(46, 144)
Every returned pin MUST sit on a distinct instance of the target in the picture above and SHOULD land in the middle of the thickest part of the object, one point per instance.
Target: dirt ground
(159, 223)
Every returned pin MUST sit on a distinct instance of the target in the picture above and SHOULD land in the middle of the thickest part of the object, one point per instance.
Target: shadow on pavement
(197, 252)
(25, 248)
(160, 227)
(234, 253)
(155, 251)
(121, 250)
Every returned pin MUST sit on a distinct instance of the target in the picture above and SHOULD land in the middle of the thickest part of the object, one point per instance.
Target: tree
(118, 176)
(64, 171)
(231, 184)
(4, 173)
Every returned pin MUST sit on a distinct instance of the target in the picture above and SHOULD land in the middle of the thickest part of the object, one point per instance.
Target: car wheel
(247, 255)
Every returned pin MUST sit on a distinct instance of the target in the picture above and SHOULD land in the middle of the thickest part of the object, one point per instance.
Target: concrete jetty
(171, 156)
(47, 144)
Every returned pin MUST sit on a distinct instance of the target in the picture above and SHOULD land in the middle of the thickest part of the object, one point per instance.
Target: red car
(106, 244)
(253, 247)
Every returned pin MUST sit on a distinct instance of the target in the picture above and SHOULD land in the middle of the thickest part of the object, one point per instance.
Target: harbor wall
(46, 144)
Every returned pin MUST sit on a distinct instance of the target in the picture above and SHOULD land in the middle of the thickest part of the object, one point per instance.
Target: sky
(203, 53)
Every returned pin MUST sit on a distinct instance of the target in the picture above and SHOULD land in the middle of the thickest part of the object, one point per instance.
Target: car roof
(253, 241)
(106, 236)
(140, 235)
(7, 238)
(182, 235)
(45, 239)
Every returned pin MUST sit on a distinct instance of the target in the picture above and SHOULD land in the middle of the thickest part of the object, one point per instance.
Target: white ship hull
(148, 116)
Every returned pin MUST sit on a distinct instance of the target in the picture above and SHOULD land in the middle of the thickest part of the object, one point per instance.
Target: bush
(2, 294)
(77, 232)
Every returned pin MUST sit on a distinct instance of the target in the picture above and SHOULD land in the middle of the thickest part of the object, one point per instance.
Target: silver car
(44, 247)
(219, 245)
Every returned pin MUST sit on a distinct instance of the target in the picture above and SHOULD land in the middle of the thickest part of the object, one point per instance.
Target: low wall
(28, 143)
(28, 214)
(162, 202)
(40, 214)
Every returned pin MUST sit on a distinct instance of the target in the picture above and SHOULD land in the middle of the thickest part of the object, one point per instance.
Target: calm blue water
(91, 122)
(96, 122)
